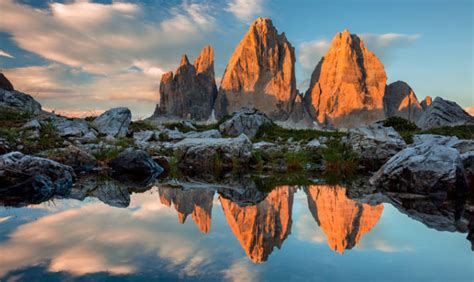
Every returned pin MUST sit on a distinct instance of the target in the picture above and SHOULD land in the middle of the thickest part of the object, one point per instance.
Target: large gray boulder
(70, 127)
(375, 143)
(430, 166)
(78, 159)
(246, 121)
(444, 113)
(34, 175)
(114, 122)
(19, 101)
(198, 154)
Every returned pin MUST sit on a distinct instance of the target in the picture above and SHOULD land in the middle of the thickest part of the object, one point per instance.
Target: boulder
(78, 159)
(427, 167)
(34, 176)
(246, 121)
(196, 155)
(135, 164)
(144, 136)
(19, 101)
(375, 143)
(444, 113)
(114, 122)
(348, 84)
(213, 133)
(70, 127)
(260, 73)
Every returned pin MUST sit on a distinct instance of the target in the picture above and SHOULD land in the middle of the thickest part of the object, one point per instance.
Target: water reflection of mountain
(344, 221)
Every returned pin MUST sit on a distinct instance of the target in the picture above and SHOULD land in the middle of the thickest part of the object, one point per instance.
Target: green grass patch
(461, 131)
(107, 154)
(404, 127)
(272, 132)
(340, 158)
(141, 125)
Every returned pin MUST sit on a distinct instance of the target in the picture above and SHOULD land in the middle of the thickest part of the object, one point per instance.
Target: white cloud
(240, 271)
(385, 45)
(246, 10)
(5, 54)
(311, 52)
(102, 38)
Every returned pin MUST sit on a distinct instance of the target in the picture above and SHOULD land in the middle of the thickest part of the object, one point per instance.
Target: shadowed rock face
(344, 221)
(197, 202)
(348, 84)
(191, 92)
(260, 73)
(426, 103)
(401, 101)
(261, 227)
(5, 83)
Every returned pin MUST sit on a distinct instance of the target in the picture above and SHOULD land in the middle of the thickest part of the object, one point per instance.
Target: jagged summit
(348, 84)
(260, 73)
(400, 100)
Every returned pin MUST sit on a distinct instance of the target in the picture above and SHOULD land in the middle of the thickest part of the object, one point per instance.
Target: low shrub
(271, 132)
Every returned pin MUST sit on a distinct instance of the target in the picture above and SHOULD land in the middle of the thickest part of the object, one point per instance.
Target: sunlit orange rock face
(260, 73)
(348, 84)
(259, 228)
(197, 202)
(426, 103)
(344, 221)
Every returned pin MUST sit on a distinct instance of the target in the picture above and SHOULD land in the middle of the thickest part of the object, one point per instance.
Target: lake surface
(311, 233)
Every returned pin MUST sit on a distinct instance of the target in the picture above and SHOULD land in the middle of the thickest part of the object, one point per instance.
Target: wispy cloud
(311, 52)
(246, 10)
(5, 54)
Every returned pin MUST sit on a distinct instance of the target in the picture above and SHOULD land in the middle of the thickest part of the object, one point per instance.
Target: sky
(82, 57)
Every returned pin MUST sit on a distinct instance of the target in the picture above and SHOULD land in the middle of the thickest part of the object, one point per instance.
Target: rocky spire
(260, 73)
(344, 221)
(261, 227)
(5, 83)
(400, 100)
(348, 84)
(426, 103)
(191, 92)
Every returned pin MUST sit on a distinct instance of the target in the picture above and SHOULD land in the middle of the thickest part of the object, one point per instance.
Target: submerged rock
(135, 164)
(444, 113)
(246, 121)
(35, 177)
(114, 122)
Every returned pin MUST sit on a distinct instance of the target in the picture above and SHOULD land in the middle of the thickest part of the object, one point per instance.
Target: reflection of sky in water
(145, 241)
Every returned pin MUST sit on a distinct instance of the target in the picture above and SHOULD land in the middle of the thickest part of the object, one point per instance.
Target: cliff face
(344, 221)
(196, 202)
(261, 227)
(426, 103)
(191, 92)
(348, 84)
(401, 101)
(260, 73)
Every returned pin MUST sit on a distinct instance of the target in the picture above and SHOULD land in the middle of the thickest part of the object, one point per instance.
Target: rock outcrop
(260, 73)
(348, 84)
(432, 165)
(344, 221)
(5, 84)
(426, 103)
(197, 202)
(136, 164)
(27, 176)
(203, 155)
(246, 121)
(400, 100)
(375, 143)
(261, 227)
(444, 113)
(191, 92)
(114, 122)
(19, 101)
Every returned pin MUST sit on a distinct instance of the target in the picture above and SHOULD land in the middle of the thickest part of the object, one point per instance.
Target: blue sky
(87, 56)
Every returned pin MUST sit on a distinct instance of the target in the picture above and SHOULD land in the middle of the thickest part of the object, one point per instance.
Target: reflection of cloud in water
(3, 219)
(95, 238)
(306, 230)
(242, 271)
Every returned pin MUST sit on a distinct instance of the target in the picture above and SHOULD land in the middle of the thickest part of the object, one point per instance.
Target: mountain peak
(184, 60)
(5, 83)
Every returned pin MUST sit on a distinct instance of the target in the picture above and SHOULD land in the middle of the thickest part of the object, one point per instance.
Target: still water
(311, 233)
